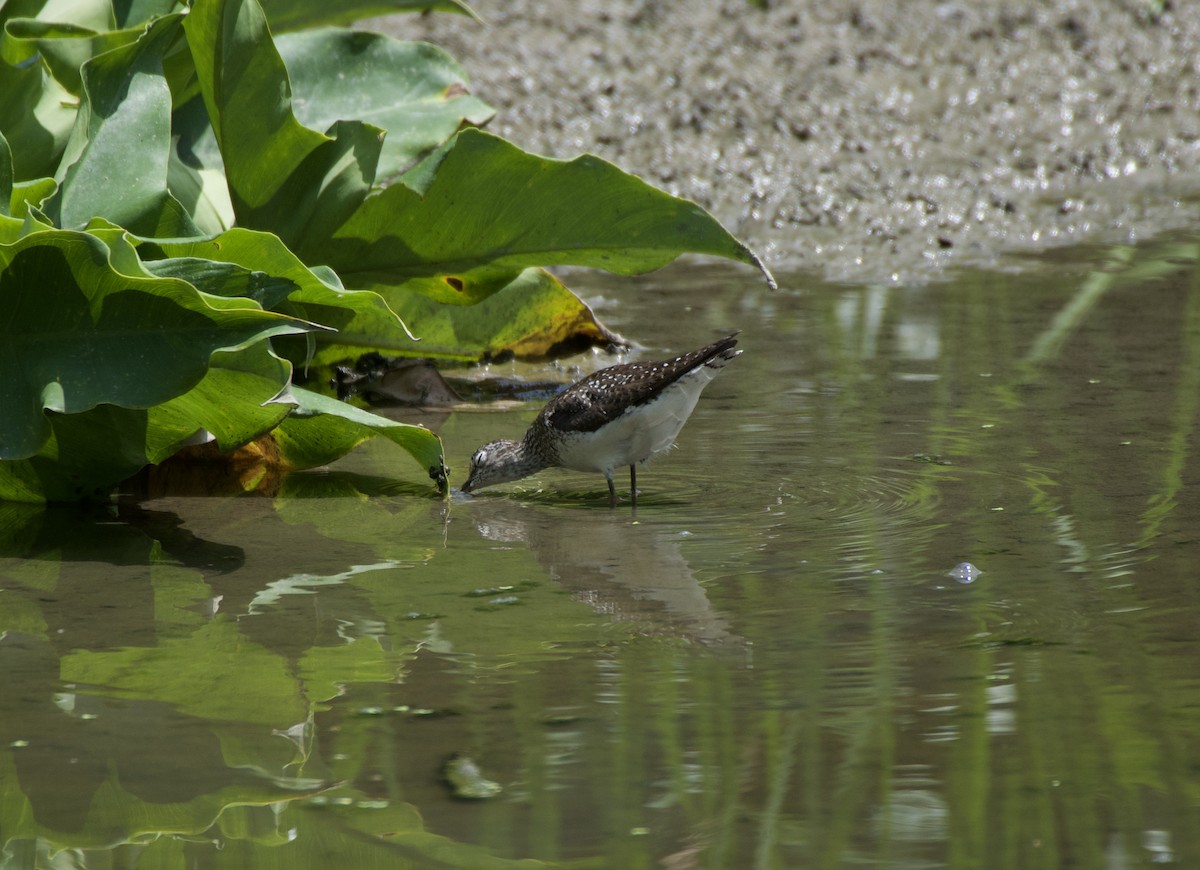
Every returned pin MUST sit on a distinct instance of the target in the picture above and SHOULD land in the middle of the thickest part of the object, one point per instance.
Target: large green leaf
(413, 90)
(533, 316)
(75, 333)
(64, 46)
(83, 456)
(529, 317)
(126, 111)
(283, 177)
(321, 429)
(65, 34)
(295, 14)
(361, 317)
(225, 279)
(92, 14)
(36, 114)
(489, 210)
(90, 452)
(234, 403)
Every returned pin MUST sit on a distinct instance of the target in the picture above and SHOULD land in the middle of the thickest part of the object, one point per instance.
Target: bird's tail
(722, 351)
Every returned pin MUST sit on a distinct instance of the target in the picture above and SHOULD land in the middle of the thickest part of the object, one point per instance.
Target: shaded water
(773, 664)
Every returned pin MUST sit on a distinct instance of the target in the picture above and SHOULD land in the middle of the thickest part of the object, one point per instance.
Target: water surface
(778, 661)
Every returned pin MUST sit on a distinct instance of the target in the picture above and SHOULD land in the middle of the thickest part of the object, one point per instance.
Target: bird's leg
(612, 490)
(633, 486)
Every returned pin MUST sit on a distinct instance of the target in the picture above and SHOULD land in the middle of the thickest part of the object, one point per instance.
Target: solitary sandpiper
(622, 415)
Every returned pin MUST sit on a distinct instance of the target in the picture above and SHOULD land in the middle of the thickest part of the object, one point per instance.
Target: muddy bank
(871, 140)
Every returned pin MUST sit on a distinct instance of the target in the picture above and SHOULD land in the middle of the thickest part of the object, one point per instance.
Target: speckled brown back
(608, 393)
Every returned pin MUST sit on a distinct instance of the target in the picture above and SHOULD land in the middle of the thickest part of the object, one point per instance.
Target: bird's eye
(480, 457)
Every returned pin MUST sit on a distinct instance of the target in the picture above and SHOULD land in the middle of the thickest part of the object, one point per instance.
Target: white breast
(641, 433)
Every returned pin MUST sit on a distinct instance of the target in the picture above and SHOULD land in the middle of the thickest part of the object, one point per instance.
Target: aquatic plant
(191, 206)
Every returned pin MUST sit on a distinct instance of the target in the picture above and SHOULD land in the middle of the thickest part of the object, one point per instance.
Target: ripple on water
(863, 511)
(816, 528)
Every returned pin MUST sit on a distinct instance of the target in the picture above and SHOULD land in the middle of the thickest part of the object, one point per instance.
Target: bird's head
(497, 462)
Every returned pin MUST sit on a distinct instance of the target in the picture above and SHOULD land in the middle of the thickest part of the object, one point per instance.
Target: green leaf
(36, 115)
(6, 178)
(83, 456)
(282, 176)
(67, 33)
(529, 317)
(234, 402)
(64, 46)
(491, 210)
(30, 196)
(225, 279)
(414, 91)
(200, 187)
(131, 12)
(361, 317)
(322, 429)
(90, 452)
(126, 111)
(76, 333)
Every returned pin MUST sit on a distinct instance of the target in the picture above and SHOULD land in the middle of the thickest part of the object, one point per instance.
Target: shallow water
(779, 661)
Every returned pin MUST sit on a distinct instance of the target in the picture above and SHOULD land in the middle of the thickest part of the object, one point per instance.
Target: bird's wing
(580, 410)
(608, 393)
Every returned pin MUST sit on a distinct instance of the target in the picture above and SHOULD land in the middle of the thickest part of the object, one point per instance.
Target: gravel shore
(870, 141)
